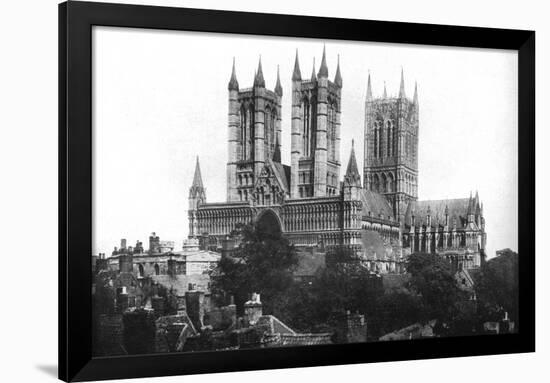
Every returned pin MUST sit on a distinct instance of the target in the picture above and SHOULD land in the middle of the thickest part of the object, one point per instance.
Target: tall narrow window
(250, 133)
(306, 128)
(242, 153)
(389, 139)
(331, 132)
(267, 131)
(376, 142)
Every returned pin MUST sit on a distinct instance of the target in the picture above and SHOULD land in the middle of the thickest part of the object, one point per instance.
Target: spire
(385, 95)
(369, 89)
(233, 83)
(197, 178)
(446, 209)
(278, 87)
(259, 78)
(415, 98)
(323, 70)
(338, 76)
(352, 176)
(313, 77)
(296, 75)
(277, 152)
(402, 86)
(470, 206)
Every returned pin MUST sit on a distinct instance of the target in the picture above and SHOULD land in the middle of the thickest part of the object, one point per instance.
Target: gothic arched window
(157, 269)
(376, 183)
(306, 130)
(389, 145)
(331, 131)
(267, 131)
(243, 138)
(250, 132)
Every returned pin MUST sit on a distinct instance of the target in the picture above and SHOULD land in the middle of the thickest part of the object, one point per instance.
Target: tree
(497, 285)
(432, 277)
(263, 263)
(397, 309)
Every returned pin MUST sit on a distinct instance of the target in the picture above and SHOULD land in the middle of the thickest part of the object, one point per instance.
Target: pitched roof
(338, 76)
(352, 176)
(233, 83)
(259, 78)
(197, 178)
(281, 174)
(296, 75)
(457, 208)
(376, 204)
(278, 87)
(323, 70)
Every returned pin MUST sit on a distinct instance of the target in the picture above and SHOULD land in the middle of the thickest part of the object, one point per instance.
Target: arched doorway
(268, 223)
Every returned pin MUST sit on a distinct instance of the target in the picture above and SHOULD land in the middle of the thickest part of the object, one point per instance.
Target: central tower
(315, 141)
(391, 147)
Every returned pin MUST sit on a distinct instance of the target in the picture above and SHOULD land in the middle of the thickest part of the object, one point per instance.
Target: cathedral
(380, 220)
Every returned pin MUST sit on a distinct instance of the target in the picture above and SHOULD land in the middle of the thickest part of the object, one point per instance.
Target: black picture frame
(75, 188)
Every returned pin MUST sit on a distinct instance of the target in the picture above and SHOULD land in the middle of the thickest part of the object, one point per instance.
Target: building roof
(202, 256)
(352, 176)
(197, 178)
(376, 204)
(282, 174)
(457, 209)
(275, 325)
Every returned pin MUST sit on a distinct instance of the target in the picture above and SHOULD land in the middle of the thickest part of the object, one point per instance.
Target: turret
(429, 217)
(352, 178)
(259, 121)
(197, 196)
(313, 77)
(471, 210)
(296, 124)
(338, 76)
(234, 145)
(369, 90)
(402, 86)
(278, 87)
(320, 170)
(259, 81)
(278, 128)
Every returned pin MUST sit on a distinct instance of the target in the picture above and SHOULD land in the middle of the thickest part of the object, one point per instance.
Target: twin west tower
(254, 120)
(380, 220)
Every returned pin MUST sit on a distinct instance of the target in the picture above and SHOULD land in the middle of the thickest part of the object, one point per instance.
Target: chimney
(125, 263)
(123, 244)
(253, 309)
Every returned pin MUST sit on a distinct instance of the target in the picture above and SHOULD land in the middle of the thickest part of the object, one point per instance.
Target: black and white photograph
(274, 191)
(259, 192)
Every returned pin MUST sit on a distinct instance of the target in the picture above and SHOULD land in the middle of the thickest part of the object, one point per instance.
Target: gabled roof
(457, 209)
(280, 174)
(376, 204)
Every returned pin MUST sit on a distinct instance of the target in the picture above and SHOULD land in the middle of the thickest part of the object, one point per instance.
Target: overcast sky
(160, 99)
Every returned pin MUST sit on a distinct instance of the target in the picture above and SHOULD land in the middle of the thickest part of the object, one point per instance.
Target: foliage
(432, 277)
(263, 262)
(497, 284)
(104, 296)
(397, 309)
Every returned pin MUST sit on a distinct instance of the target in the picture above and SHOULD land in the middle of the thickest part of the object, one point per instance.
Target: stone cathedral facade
(380, 220)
